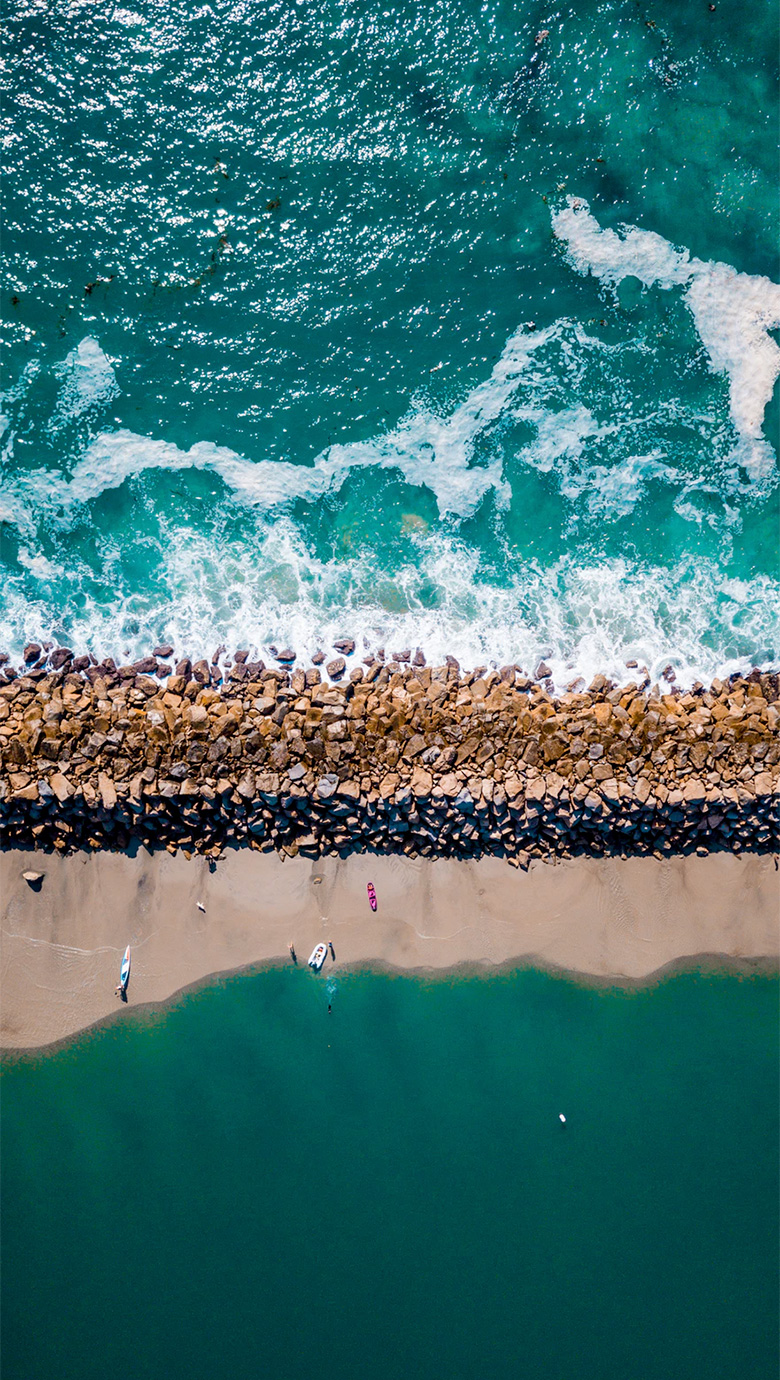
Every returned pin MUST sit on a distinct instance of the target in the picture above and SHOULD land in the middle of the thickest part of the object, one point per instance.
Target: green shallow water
(245, 1185)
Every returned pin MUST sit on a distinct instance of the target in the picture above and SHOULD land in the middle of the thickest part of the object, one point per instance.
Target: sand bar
(607, 919)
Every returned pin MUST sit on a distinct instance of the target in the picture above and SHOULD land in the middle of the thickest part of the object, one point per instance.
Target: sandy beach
(609, 920)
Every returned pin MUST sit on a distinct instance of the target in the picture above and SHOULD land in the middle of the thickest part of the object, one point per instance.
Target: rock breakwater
(399, 758)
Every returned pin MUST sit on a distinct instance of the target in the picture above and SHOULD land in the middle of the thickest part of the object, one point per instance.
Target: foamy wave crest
(427, 450)
(558, 402)
(602, 456)
(87, 380)
(580, 617)
(733, 312)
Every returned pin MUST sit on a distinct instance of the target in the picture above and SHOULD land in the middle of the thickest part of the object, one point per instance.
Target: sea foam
(427, 450)
(733, 312)
(597, 453)
(87, 380)
(581, 617)
(551, 403)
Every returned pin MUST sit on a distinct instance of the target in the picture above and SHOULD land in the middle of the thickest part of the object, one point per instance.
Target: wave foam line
(733, 312)
(580, 618)
(427, 450)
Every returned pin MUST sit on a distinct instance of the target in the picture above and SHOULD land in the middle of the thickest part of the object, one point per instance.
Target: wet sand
(608, 920)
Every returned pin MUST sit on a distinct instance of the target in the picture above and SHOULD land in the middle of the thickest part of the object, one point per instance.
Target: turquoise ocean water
(324, 319)
(244, 1185)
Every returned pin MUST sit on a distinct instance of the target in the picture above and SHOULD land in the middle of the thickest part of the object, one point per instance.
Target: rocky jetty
(397, 757)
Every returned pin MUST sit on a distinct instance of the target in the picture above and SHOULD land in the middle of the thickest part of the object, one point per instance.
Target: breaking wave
(580, 618)
(558, 404)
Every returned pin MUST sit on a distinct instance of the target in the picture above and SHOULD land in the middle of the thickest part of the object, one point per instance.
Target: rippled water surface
(317, 322)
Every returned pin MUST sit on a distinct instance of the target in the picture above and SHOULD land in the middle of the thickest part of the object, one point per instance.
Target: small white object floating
(318, 957)
(124, 972)
(561, 1117)
(201, 907)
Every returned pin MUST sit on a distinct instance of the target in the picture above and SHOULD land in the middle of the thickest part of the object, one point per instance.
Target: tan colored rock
(61, 786)
(415, 746)
(388, 785)
(107, 791)
(267, 783)
(246, 786)
(29, 792)
(421, 783)
(762, 784)
(349, 789)
(610, 790)
(694, 792)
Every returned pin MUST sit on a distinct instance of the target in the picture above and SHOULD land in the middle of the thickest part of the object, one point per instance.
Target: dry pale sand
(608, 919)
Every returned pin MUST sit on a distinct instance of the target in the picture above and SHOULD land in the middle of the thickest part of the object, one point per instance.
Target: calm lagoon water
(244, 1185)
